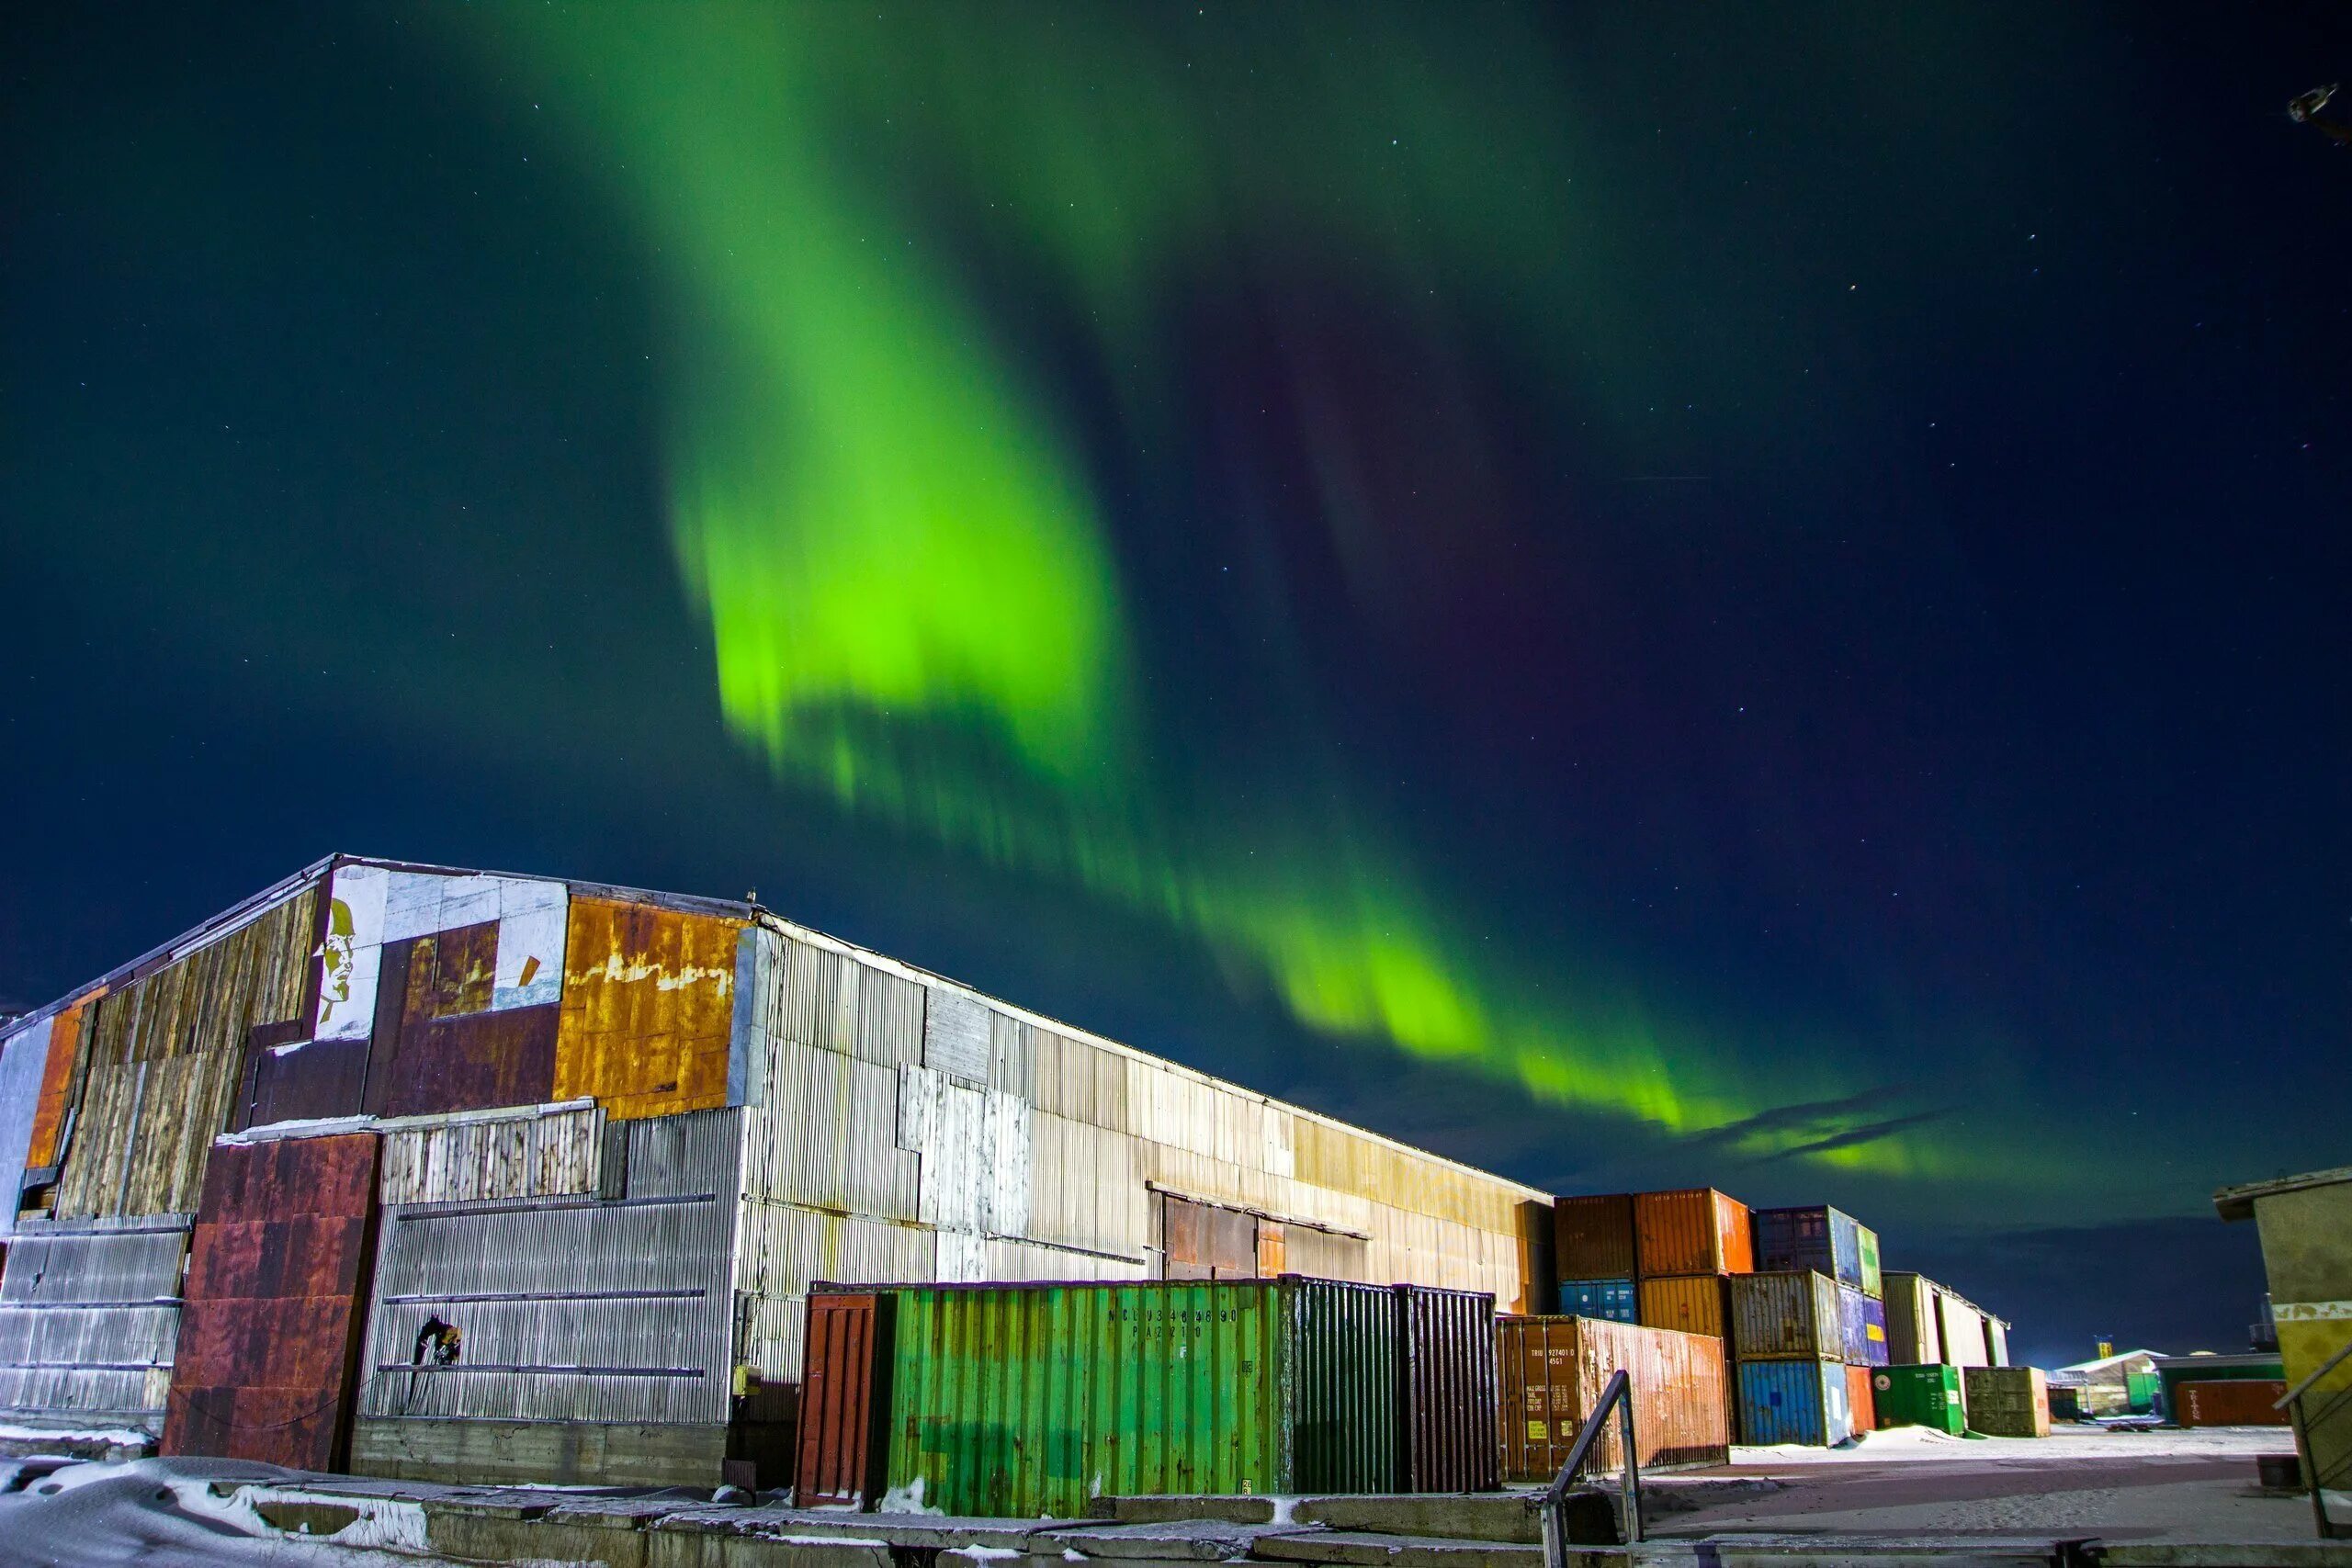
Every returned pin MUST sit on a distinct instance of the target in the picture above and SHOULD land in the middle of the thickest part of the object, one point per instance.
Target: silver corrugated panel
(1085, 1191)
(784, 1249)
(889, 1017)
(956, 1036)
(577, 1311)
(89, 1320)
(1012, 1055)
(1007, 1259)
(1325, 1256)
(815, 999)
(474, 1160)
(759, 964)
(827, 1135)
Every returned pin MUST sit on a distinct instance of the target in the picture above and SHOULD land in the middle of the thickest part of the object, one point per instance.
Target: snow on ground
(165, 1513)
(2064, 1443)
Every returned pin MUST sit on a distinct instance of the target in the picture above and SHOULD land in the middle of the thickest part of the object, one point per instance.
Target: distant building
(2123, 1383)
(440, 1174)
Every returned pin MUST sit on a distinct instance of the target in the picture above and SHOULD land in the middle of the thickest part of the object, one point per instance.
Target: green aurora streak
(914, 599)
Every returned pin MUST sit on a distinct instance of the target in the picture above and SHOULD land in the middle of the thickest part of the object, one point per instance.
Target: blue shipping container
(1861, 1328)
(1812, 1236)
(1611, 1299)
(1794, 1402)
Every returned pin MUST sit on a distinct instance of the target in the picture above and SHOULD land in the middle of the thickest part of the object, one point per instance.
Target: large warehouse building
(425, 1172)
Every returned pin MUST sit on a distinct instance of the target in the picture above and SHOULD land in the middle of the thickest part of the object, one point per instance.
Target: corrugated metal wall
(647, 1011)
(278, 1274)
(1446, 1390)
(540, 1152)
(165, 1055)
(571, 1310)
(88, 1319)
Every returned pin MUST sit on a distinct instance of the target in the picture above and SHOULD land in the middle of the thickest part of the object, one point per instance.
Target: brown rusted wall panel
(1554, 1370)
(842, 1391)
(437, 1045)
(164, 1058)
(1446, 1393)
(314, 1079)
(269, 1336)
(648, 1009)
(1595, 1236)
(60, 1082)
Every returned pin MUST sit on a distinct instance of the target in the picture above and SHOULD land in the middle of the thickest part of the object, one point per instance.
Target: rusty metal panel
(1790, 1315)
(61, 1084)
(280, 1257)
(1446, 1392)
(648, 1012)
(570, 1309)
(437, 1044)
(1693, 1230)
(845, 1387)
(955, 1035)
(1593, 1236)
(1552, 1369)
(24, 1059)
(300, 1080)
(547, 1151)
(370, 907)
(90, 1317)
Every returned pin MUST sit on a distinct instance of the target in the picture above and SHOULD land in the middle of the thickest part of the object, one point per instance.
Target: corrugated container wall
(1171, 1387)
(1810, 1236)
(1913, 1336)
(2230, 1402)
(1690, 1303)
(1874, 1277)
(1446, 1392)
(1919, 1397)
(1554, 1367)
(1862, 1321)
(2006, 1402)
(1613, 1300)
(1692, 1230)
(1794, 1402)
(1784, 1315)
(1594, 1237)
(1861, 1402)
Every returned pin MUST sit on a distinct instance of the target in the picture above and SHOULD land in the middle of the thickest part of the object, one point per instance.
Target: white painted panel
(411, 905)
(963, 1256)
(466, 901)
(348, 990)
(530, 956)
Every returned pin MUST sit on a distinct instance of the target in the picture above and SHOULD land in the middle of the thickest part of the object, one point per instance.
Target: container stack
(1808, 1328)
(1688, 1243)
(1593, 1252)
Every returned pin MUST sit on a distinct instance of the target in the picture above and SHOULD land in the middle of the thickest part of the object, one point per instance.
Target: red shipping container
(2230, 1402)
(1693, 1230)
(1554, 1367)
(1861, 1398)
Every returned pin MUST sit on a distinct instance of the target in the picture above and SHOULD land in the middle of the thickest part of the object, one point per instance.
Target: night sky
(1640, 595)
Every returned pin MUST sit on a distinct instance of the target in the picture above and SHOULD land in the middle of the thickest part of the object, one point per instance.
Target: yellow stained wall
(2307, 1252)
(648, 1010)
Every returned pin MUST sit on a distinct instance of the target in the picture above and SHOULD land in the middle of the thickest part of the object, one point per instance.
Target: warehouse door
(1208, 1241)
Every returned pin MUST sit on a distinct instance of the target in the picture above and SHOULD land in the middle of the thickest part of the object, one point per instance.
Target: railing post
(1629, 1478)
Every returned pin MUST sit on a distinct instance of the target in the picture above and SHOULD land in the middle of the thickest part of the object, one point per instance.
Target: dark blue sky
(1798, 558)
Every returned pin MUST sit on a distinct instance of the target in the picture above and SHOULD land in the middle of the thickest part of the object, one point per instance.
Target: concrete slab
(1243, 1510)
(1374, 1550)
(1178, 1541)
(1457, 1515)
(1765, 1550)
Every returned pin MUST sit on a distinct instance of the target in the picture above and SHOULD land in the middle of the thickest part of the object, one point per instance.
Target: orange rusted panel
(57, 1082)
(649, 1007)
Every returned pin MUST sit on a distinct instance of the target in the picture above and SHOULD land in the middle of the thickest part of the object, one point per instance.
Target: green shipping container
(1873, 1281)
(1030, 1400)
(2140, 1391)
(1919, 1396)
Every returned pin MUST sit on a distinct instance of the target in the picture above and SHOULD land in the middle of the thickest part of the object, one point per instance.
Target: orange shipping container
(1554, 1368)
(1862, 1399)
(1693, 1230)
(1690, 1303)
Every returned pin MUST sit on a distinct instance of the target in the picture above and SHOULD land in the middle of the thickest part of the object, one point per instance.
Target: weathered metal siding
(570, 1309)
(89, 1315)
(1693, 1230)
(1861, 1328)
(24, 1059)
(2220, 1402)
(846, 1390)
(372, 906)
(278, 1271)
(1446, 1390)
(1914, 1338)
(1919, 1397)
(1810, 1236)
(1554, 1367)
(1022, 1402)
(1594, 1237)
(1786, 1315)
(166, 1053)
(2009, 1402)
(1964, 1331)
(1794, 1402)
(439, 1046)
(648, 1010)
(543, 1152)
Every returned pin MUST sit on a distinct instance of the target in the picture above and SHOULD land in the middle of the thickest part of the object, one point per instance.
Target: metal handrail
(2293, 1402)
(1618, 1393)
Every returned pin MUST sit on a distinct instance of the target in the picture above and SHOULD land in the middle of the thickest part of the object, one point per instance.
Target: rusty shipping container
(1690, 1303)
(1593, 1236)
(269, 1337)
(1692, 1230)
(2230, 1402)
(1786, 1315)
(1554, 1367)
(1862, 1399)
(844, 1390)
(1446, 1390)
(2006, 1402)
